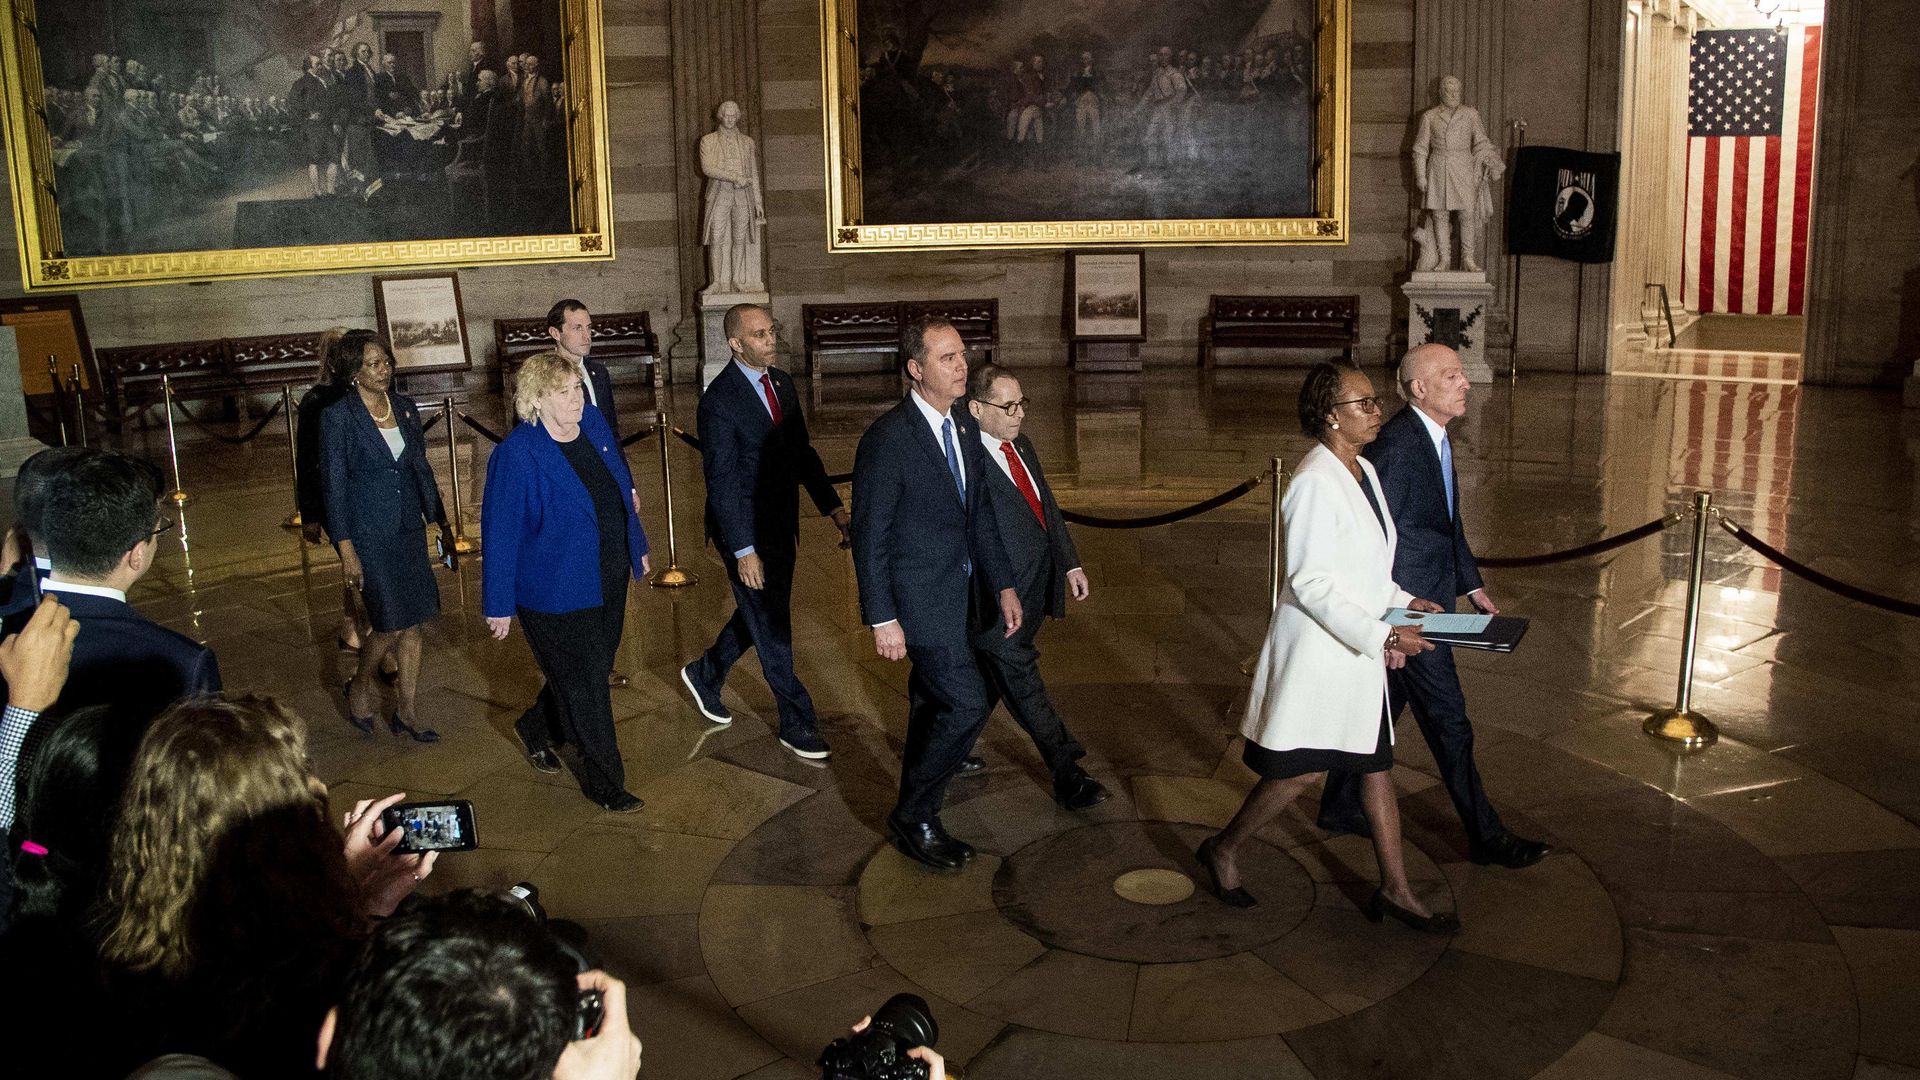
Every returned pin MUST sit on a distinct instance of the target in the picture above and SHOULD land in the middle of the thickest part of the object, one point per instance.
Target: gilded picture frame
(413, 151)
(917, 155)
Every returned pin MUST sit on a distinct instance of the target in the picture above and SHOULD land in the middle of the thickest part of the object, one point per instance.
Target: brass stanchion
(59, 396)
(178, 496)
(79, 405)
(462, 543)
(1681, 724)
(293, 456)
(670, 576)
(1274, 525)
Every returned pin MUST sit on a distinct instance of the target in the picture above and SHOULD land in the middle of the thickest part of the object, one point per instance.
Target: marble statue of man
(734, 210)
(1453, 164)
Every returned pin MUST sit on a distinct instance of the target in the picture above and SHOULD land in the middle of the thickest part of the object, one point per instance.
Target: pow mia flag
(1563, 203)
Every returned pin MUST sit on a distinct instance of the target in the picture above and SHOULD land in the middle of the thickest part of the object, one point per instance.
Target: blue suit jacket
(602, 381)
(754, 471)
(364, 487)
(126, 661)
(537, 526)
(912, 534)
(1433, 560)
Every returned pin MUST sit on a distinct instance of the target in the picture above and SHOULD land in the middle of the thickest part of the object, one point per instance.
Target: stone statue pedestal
(1450, 307)
(16, 446)
(714, 350)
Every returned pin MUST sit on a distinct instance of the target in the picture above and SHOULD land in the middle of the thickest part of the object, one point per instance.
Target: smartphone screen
(433, 826)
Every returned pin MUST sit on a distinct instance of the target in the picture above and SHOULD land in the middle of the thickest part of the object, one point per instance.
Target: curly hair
(541, 374)
(1318, 394)
(223, 854)
(323, 349)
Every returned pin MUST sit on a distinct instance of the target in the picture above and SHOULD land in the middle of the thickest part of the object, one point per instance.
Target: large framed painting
(1035, 123)
(423, 320)
(191, 140)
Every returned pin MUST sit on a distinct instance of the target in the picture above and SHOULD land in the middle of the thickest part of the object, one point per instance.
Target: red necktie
(1024, 482)
(773, 403)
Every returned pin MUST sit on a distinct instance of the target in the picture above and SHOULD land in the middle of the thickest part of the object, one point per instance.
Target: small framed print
(1106, 295)
(423, 321)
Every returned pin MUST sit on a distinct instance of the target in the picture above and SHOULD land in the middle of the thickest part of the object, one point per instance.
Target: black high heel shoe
(1440, 922)
(419, 734)
(1234, 897)
(363, 723)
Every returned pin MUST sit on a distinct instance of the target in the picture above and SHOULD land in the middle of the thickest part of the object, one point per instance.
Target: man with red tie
(1046, 568)
(757, 455)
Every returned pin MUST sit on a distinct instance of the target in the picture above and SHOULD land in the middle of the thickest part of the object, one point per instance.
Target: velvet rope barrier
(1808, 573)
(1640, 532)
(231, 440)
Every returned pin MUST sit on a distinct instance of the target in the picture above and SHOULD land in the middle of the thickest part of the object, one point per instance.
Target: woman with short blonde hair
(562, 539)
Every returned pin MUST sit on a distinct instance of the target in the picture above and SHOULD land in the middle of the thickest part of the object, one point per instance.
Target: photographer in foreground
(471, 987)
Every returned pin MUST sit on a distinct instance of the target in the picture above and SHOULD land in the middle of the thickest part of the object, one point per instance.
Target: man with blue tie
(756, 455)
(1414, 459)
(924, 532)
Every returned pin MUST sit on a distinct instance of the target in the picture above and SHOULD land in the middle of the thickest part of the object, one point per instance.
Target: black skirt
(1281, 764)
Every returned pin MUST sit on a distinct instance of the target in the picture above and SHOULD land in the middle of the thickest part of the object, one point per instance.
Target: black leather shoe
(1073, 789)
(1440, 922)
(1234, 897)
(544, 760)
(621, 802)
(1508, 850)
(926, 843)
(970, 766)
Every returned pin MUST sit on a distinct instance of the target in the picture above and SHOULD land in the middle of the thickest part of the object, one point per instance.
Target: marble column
(716, 57)
(16, 445)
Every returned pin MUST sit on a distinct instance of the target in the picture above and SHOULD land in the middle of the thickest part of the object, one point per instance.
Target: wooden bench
(877, 329)
(203, 370)
(617, 337)
(1279, 322)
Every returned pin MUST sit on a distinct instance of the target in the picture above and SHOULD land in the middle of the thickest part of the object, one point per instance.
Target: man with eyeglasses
(102, 530)
(1046, 569)
(1414, 459)
(757, 455)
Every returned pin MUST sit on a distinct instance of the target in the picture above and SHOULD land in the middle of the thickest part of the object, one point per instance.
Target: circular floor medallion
(1153, 886)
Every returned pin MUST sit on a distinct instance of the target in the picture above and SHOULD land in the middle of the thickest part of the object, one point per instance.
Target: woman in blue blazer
(562, 540)
(379, 489)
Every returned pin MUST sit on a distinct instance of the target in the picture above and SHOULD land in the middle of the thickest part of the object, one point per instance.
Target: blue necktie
(953, 459)
(1446, 471)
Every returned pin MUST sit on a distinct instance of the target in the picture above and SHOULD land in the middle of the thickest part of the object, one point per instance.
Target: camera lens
(908, 1019)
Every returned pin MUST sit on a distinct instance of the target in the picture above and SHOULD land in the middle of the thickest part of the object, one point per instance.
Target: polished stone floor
(1752, 910)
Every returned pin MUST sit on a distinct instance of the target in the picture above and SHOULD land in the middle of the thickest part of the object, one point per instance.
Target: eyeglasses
(161, 528)
(1010, 406)
(1367, 404)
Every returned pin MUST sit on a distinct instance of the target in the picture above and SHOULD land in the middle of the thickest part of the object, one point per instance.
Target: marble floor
(1752, 910)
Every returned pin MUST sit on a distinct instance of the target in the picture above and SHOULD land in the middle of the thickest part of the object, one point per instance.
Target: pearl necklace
(380, 419)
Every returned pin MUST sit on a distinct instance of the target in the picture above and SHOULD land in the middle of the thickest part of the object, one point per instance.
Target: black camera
(591, 1012)
(880, 1051)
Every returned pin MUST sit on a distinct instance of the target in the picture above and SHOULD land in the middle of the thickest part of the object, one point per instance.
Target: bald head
(1432, 379)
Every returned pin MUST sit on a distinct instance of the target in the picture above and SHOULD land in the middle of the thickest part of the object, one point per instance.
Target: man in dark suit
(1414, 458)
(757, 455)
(923, 530)
(102, 529)
(1046, 568)
(570, 325)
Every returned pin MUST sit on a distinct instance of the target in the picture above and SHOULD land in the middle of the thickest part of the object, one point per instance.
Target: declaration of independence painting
(991, 113)
(384, 132)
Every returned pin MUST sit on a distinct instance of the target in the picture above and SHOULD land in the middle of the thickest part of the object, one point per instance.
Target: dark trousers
(946, 708)
(574, 712)
(1011, 666)
(762, 619)
(1431, 684)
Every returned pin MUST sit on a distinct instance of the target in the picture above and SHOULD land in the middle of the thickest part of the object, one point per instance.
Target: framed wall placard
(158, 140)
(50, 326)
(1034, 123)
(423, 320)
(1106, 293)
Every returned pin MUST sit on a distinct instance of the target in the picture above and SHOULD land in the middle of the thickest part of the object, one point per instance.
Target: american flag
(1751, 103)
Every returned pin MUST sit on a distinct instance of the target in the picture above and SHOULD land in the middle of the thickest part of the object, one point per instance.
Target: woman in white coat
(1319, 697)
